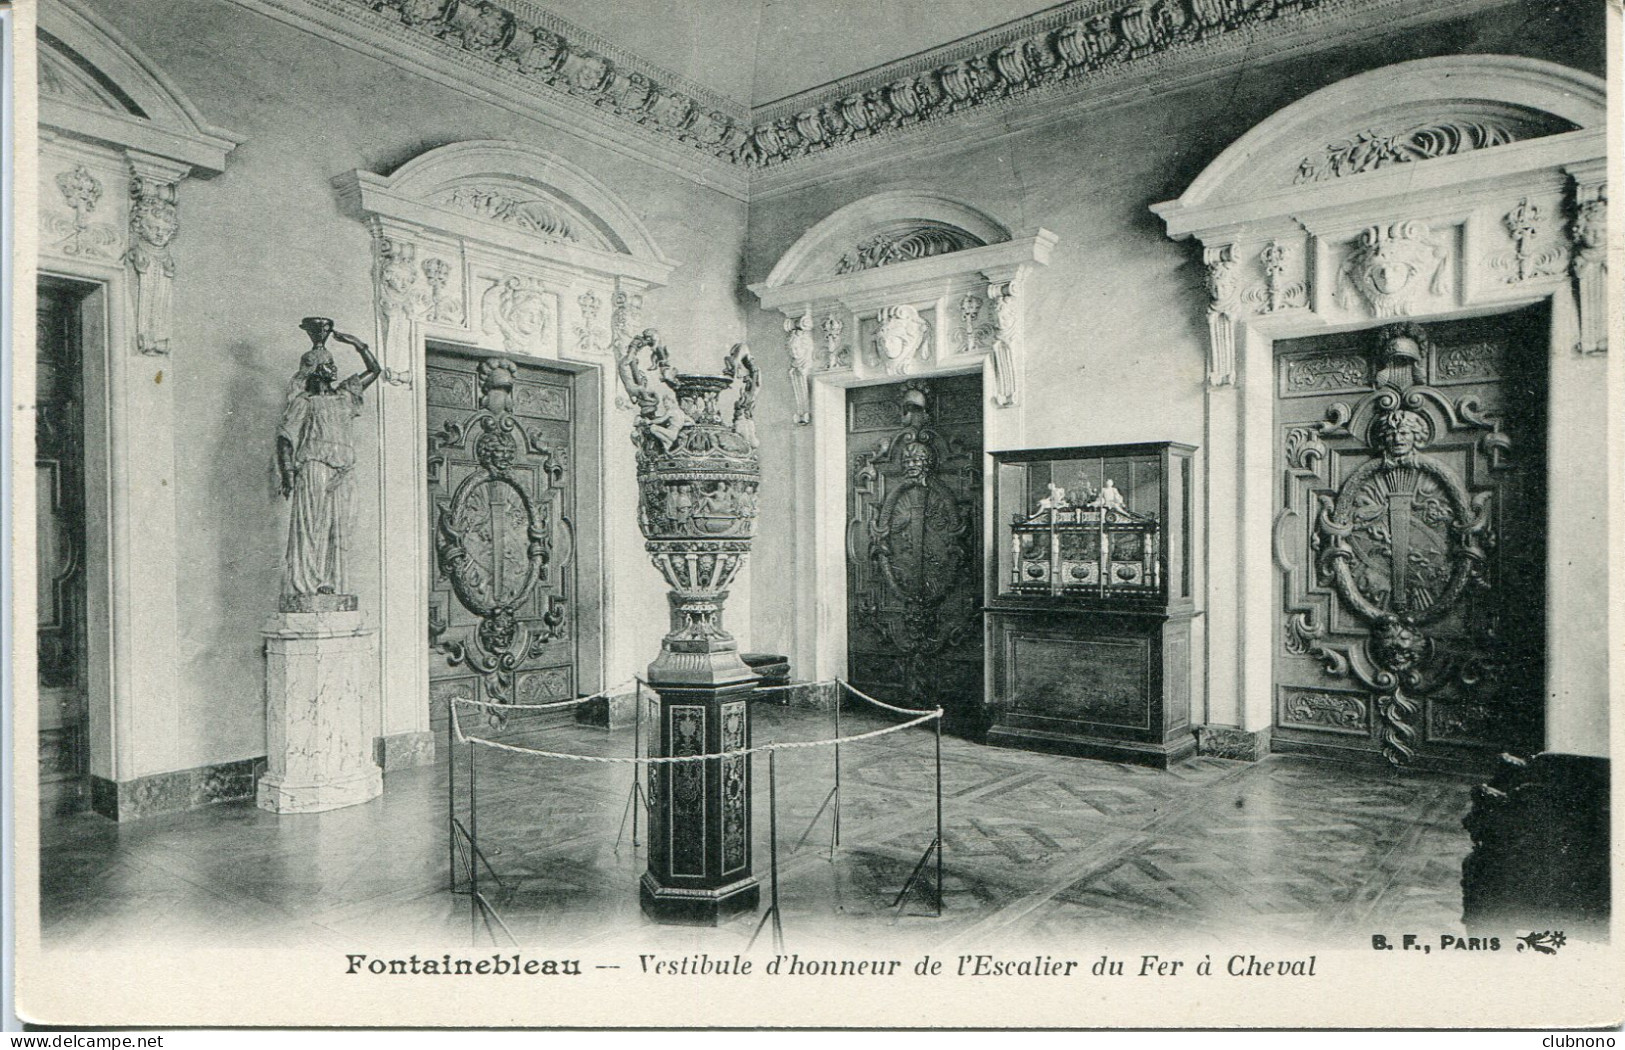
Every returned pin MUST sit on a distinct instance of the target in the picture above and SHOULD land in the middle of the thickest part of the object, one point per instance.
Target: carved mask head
(1398, 646)
(525, 309)
(154, 219)
(495, 452)
(918, 459)
(1400, 433)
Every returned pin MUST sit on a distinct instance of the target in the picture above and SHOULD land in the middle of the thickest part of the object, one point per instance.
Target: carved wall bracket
(154, 224)
(1589, 264)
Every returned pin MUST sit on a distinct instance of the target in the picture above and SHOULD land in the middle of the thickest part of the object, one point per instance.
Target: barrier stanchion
(939, 817)
(636, 797)
(773, 857)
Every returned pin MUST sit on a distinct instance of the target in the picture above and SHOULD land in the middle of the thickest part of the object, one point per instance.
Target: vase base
(723, 667)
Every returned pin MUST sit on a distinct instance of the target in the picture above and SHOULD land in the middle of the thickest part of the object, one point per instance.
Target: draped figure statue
(315, 459)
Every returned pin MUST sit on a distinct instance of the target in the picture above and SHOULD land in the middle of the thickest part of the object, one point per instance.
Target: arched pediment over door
(502, 249)
(943, 273)
(1423, 191)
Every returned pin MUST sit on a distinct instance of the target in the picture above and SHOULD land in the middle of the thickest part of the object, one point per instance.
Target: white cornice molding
(347, 23)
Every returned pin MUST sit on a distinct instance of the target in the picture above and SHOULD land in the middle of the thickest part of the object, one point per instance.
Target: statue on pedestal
(321, 691)
(315, 458)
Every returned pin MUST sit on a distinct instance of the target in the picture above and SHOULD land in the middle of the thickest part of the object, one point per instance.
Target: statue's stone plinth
(700, 821)
(321, 710)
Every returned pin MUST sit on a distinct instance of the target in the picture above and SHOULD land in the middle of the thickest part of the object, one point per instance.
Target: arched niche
(118, 141)
(1492, 169)
(898, 284)
(505, 248)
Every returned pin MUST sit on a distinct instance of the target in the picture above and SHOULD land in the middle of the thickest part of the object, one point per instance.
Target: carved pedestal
(699, 825)
(321, 713)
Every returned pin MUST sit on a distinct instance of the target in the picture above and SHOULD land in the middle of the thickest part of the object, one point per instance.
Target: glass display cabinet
(1090, 601)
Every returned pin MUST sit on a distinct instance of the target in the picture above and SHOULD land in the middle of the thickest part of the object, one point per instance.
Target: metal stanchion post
(772, 913)
(473, 849)
(451, 793)
(637, 752)
(939, 813)
(835, 831)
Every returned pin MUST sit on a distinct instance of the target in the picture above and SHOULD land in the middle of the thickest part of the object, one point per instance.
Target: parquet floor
(1040, 851)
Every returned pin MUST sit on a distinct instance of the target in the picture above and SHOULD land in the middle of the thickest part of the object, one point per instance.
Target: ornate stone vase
(697, 481)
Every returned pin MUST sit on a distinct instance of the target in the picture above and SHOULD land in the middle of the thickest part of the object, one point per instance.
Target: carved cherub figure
(1109, 500)
(1056, 500)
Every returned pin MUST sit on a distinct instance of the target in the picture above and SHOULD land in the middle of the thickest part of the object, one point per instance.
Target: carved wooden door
(914, 544)
(1410, 539)
(501, 503)
(60, 546)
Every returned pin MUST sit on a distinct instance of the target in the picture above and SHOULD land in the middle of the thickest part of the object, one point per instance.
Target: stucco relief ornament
(443, 308)
(1224, 301)
(81, 191)
(516, 308)
(900, 339)
(799, 346)
(589, 336)
(1276, 293)
(153, 226)
(1002, 296)
(1526, 226)
(1391, 268)
(835, 355)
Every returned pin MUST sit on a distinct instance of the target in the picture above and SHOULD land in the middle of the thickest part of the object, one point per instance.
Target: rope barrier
(880, 703)
(790, 745)
(552, 706)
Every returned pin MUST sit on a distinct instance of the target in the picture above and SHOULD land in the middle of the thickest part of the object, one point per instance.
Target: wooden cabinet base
(1094, 683)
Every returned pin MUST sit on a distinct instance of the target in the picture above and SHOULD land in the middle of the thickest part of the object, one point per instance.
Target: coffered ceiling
(759, 51)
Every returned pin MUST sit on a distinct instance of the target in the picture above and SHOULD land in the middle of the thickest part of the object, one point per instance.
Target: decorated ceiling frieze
(519, 41)
(1064, 52)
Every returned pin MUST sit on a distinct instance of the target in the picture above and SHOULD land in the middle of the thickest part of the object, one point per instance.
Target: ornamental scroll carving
(905, 245)
(492, 540)
(1371, 149)
(541, 50)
